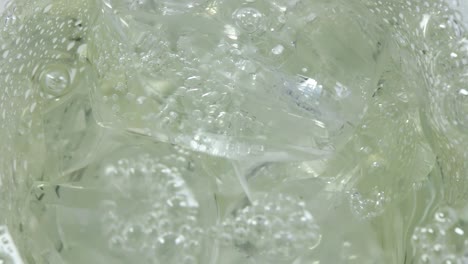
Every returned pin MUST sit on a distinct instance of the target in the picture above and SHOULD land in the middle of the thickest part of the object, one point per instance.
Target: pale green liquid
(281, 131)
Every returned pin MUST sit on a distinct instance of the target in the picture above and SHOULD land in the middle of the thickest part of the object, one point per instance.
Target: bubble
(445, 216)
(55, 80)
(248, 19)
(459, 231)
(277, 50)
(47, 8)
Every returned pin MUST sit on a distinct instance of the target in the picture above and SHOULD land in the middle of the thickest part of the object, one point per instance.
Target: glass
(223, 131)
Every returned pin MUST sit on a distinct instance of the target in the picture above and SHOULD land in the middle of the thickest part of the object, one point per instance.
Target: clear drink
(222, 131)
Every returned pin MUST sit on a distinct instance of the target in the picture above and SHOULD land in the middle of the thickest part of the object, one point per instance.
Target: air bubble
(459, 231)
(47, 8)
(55, 80)
(248, 19)
(277, 50)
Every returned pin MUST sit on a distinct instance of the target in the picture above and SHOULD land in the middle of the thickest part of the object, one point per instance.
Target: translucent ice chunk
(221, 89)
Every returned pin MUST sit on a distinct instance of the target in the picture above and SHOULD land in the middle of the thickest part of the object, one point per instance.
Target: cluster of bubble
(444, 239)
(275, 226)
(154, 213)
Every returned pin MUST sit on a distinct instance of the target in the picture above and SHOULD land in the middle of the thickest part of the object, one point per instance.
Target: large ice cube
(237, 79)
